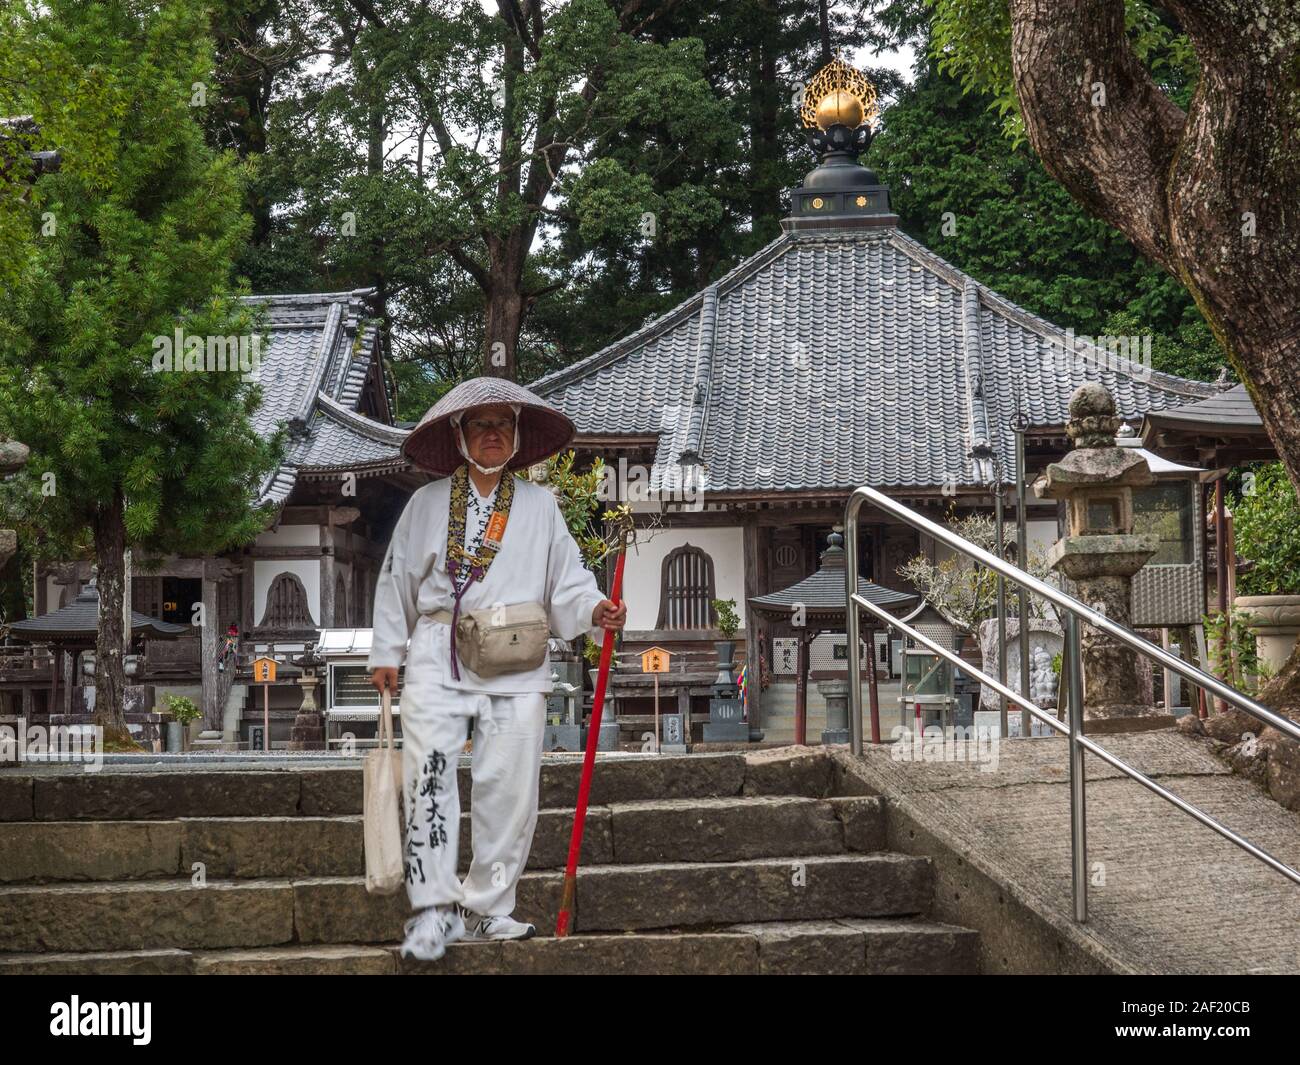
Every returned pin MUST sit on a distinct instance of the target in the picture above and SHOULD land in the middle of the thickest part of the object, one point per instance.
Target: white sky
(900, 60)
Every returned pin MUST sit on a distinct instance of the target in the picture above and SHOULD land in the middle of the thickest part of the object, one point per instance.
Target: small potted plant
(728, 623)
(183, 711)
(1265, 521)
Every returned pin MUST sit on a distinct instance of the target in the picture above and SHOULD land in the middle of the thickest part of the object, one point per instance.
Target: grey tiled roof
(320, 352)
(342, 439)
(81, 618)
(836, 358)
(1231, 410)
(823, 591)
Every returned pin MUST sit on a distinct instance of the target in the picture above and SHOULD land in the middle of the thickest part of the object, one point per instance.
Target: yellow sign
(655, 660)
(264, 671)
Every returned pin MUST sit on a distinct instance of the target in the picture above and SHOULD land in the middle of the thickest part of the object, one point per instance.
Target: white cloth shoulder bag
(382, 787)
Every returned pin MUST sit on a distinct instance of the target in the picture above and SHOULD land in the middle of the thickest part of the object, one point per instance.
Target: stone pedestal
(563, 737)
(1275, 621)
(674, 734)
(1102, 568)
(836, 694)
(725, 724)
(308, 730)
(607, 738)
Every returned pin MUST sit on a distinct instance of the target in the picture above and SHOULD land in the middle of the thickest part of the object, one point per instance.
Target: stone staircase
(721, 863)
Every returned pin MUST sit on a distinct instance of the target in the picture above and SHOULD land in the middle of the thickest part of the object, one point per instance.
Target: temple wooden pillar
(872, 686)
(753, 549)
(327, 582)
(801, 693)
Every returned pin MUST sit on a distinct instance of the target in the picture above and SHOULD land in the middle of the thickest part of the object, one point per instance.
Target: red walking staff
(597, 704)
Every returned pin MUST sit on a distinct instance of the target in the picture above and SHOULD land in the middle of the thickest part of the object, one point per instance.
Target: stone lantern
(1101, 553)
(308, 731)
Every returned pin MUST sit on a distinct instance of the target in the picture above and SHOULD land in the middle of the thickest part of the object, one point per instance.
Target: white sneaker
(480, 929)
(430, 932)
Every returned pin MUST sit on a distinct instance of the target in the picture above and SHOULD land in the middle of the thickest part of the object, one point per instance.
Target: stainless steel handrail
(1066, 602)
(1074, 610)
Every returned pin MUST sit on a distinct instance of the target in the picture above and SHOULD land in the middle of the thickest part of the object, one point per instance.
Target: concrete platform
(1167, 895)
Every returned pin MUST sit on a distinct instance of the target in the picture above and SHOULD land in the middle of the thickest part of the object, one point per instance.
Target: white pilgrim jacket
(538, 561)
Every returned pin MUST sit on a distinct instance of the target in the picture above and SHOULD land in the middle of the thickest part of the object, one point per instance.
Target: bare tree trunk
(506, 306)
(1210, 195)
(110, 678)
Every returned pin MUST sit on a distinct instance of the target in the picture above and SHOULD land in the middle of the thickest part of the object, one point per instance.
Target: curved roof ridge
(702, 380)
(973, 351)
(351, 419)
(936, 264)
(321, 358)
(278, 484)
(347, 296)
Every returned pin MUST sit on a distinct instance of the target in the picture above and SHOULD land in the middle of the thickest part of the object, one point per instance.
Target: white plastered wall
(642, 572)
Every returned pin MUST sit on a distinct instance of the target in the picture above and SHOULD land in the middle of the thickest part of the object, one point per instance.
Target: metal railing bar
(1072, 668)
(1113, 760)
(961, 663)
(1188, 808)
(1061, 599)
(1078, 742)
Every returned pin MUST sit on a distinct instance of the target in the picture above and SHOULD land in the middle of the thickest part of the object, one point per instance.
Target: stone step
(710, 830)
(179, 914)
(879, 947)
(63, 793)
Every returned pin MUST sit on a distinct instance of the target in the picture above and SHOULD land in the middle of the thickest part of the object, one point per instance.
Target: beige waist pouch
(501, 639)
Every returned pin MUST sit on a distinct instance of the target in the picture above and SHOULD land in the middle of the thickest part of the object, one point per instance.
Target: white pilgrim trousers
(505, 773)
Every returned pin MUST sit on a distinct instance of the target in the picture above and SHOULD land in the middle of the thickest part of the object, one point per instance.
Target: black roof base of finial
(841, 192)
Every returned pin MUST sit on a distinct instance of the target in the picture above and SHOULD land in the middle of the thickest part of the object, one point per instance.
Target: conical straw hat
(543, 430)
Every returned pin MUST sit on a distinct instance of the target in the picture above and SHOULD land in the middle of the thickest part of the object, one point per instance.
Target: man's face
(489, 433)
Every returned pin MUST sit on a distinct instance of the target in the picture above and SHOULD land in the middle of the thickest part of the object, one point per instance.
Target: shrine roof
(323, 349)
(839, 357)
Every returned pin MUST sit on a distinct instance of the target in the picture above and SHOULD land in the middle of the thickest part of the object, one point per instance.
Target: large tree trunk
(1210, 194)
(110, 678)
(377, 132)
(505, 306)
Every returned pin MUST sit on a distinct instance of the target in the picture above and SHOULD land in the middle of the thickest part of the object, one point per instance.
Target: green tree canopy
(128, 246)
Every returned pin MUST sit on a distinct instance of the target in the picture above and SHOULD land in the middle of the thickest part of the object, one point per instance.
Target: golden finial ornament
(838, 95)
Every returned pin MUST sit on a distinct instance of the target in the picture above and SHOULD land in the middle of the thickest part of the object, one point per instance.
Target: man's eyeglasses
(479, 426)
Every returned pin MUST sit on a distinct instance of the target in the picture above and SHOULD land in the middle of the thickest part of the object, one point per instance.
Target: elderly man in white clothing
(479, 538)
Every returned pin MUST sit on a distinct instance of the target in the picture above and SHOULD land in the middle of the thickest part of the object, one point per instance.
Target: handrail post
(1002, 604)
(1022, 560)
(852, 628)
(1078, 795)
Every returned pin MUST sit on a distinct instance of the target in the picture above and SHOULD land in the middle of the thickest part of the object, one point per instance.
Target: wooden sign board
(264, 670)
(655, 660)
